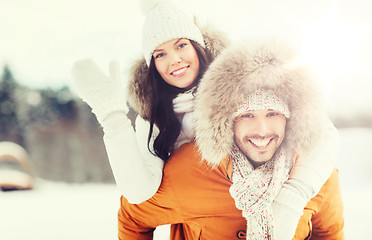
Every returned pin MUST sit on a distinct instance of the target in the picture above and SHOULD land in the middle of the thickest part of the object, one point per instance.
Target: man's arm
(191, 193)
(328, 222)
(323, 215)
(138, 221)
(130, 228)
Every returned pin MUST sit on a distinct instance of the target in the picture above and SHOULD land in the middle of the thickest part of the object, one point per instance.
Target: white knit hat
(164, 22)
(263, 100)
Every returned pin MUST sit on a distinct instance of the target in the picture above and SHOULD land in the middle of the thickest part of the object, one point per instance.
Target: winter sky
(41, 39)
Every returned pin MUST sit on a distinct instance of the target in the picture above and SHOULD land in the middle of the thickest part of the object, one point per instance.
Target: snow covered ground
(355, 165)
(63, 211)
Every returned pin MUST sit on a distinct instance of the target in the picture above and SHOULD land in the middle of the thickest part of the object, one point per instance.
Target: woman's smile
(180, 72)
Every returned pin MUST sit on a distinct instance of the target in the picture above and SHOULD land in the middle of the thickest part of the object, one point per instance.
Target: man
(257, 111)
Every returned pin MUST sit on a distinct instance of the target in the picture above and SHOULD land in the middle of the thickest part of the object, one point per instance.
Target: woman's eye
(182, 45)
(159, 55)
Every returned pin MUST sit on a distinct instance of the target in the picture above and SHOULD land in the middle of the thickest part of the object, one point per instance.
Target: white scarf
(255, 189)
(183, 106)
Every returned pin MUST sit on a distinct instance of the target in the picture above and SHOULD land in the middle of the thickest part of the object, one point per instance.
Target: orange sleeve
(328, 221)
(129, 227)
(192, 193)
(138, 221)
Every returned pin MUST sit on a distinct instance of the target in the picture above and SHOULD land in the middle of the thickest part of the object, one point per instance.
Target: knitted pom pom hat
(164, 22)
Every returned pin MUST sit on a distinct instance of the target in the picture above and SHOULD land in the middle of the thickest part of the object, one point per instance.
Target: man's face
(258, 134)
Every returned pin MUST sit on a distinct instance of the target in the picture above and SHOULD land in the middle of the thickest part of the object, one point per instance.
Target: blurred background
(73, 193)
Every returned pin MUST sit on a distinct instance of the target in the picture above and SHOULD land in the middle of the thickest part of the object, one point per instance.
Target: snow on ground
(355, 165)
(61, 211)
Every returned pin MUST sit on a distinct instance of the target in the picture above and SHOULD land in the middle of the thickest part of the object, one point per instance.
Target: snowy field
(62, 211)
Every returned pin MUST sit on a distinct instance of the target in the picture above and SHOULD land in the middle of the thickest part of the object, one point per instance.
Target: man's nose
(261, 127)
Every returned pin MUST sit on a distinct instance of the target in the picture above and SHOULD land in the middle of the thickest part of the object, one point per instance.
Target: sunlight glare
(331, 49)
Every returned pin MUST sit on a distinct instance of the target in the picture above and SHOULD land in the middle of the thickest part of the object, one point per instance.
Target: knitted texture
(287, 210)
(164, 22)
(263, 100)
(104, 94)
(255, 189)
(183, 106)
(241, 70)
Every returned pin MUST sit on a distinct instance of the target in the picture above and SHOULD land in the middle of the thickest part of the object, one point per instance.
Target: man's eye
(248, 115)
(272, 114)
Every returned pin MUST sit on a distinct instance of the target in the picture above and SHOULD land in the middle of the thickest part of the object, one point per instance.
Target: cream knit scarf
(255, 189)
(183, 106)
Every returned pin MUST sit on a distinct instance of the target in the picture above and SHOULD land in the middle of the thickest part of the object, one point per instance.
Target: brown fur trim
(239, 71)
(139, 91)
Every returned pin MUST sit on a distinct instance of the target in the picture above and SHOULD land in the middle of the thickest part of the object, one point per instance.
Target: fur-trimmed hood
(240, 70)
(139, 90)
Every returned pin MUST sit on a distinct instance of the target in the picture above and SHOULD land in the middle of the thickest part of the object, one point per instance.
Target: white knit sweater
(137, 172)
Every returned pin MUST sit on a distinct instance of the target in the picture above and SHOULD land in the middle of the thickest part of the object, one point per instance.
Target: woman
(155, 92)
(165, 107)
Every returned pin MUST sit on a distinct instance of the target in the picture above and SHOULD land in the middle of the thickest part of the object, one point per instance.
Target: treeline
(63, 137)
(58, 130)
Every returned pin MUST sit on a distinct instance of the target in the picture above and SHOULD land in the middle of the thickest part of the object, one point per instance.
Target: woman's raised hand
(104, 94)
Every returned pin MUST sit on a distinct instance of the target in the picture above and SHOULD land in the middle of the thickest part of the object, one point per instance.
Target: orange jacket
(195, 199)
(323, 215)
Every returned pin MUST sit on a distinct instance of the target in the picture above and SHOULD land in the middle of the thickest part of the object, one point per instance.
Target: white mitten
(287, 209)
(313, 169)
(104, 94)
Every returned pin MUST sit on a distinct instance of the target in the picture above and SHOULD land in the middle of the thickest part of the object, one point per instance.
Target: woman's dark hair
(162, 113)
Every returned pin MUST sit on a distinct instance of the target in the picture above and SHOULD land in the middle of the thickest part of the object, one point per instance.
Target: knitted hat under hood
(165, 21)
(239, 71)
(139, 89)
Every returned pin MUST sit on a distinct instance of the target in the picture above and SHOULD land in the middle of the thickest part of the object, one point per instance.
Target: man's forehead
(263, 99)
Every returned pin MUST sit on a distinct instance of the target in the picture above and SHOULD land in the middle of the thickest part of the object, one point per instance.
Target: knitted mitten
(104, 94)
(309, 174)
(287, 210)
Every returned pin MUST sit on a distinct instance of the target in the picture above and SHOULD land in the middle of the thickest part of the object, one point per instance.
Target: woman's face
(177, 62)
